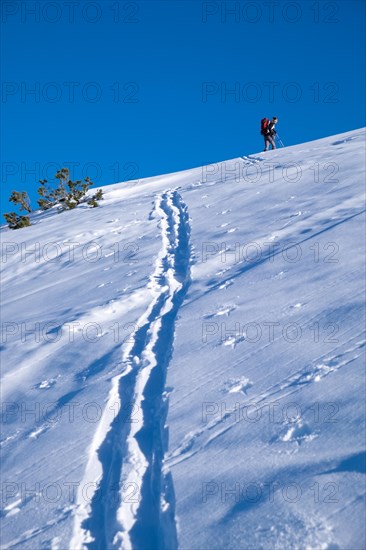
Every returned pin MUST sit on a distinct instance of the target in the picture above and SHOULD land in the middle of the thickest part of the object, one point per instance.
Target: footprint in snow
(46, 384)
(167, 393)
(232, 230)
(315, 374)
(11, 509)
(226, 284)
(14, 507)
(222, 271)
(298, 432)
(39, 431)
(118, 230)
(296, 306)
(323, 370)
(280, 275)
(6, 440)
(223, 310)
(233, 341)
(237, 385)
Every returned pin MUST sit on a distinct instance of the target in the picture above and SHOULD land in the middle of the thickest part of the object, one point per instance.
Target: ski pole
(279, 139)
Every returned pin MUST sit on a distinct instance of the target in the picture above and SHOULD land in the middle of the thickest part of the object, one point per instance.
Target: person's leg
(272, 141)
(266, 143)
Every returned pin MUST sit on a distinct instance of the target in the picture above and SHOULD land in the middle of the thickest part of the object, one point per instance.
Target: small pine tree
(17, 222)
(21, 199)
(93, 201)
(47, 199)
(67, 193)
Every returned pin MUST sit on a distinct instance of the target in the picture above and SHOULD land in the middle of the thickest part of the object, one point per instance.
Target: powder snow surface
(182, 367)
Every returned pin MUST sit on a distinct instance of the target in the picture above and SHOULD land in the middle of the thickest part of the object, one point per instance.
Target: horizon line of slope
(159, 178)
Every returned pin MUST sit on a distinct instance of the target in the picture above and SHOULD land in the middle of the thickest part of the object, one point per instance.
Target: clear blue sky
(122, 87)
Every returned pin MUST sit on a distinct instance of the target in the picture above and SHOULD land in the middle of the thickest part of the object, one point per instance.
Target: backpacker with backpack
(264, 126)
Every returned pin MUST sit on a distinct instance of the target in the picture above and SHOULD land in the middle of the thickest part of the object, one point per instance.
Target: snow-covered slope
(183, 366)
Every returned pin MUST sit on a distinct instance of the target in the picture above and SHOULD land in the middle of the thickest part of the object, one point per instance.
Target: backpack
(264, 126)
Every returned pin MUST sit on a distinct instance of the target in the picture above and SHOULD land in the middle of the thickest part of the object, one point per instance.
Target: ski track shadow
(97, 366)
(61, 402)
(354, 463)
(214, 284)
(342, 141)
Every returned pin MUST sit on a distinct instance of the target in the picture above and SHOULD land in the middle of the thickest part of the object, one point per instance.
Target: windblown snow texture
(182, 367)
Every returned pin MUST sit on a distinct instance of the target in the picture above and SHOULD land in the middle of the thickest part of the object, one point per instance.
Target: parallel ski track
(133, 505)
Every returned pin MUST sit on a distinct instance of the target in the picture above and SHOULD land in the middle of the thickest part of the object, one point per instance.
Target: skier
(268, 132)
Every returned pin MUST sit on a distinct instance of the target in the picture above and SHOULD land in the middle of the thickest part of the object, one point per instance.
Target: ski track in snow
(133, 503)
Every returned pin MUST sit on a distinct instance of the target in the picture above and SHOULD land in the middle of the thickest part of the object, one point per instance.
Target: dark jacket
(271, 128)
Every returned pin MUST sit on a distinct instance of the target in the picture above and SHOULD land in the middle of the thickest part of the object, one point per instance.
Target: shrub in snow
(21, 199)
(68, 194)
(15, 221)
(93, 201)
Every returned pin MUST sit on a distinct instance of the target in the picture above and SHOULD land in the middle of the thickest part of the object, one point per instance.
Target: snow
(182, 367)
